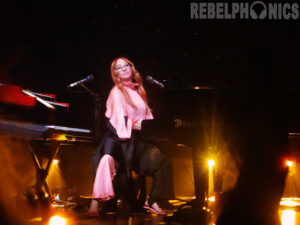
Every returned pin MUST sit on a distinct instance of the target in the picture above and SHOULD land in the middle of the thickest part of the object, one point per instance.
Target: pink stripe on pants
(106, 171)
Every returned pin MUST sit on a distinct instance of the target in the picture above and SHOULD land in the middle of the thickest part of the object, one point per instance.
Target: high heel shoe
(154, 208)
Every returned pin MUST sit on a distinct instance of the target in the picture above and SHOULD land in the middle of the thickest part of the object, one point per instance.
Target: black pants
(144, 159)
(150, 161)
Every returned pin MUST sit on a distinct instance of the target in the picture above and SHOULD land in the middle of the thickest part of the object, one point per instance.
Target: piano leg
(201, 188)
(196, 209)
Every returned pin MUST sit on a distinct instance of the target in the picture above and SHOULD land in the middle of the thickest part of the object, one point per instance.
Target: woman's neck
(129, 84)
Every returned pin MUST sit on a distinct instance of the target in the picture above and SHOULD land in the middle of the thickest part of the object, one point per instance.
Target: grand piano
(31, 116)
(185, 117)
(183, 121)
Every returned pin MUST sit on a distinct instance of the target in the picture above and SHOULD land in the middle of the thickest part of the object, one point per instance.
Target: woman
(121, 150)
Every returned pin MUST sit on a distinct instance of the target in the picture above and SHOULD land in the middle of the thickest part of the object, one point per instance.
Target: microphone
(88, 78)
(152, 80)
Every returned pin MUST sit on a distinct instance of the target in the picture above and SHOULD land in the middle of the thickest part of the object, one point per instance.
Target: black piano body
(181, 116)
(189, 118)
(184, 120)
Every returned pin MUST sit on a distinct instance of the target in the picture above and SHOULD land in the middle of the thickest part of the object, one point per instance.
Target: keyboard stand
(42, 173)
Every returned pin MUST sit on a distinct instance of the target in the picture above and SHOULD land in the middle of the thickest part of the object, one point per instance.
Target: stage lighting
(288, 217)
(289, 163)
(57, 220)
(211, 163)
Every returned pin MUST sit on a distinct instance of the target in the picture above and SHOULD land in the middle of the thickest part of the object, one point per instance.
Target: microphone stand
(97, 110)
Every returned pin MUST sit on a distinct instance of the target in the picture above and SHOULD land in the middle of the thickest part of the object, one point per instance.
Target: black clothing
(145, 159)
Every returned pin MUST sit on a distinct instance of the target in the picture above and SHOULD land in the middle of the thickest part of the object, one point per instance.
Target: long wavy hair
(136, 77)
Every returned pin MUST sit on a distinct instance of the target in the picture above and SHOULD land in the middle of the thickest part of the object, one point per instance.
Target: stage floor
(68, 215)
(182, 213)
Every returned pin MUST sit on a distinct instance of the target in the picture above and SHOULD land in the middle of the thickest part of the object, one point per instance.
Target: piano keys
(44, 132)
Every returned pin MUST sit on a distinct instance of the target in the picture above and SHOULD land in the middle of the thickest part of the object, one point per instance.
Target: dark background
(46, 45)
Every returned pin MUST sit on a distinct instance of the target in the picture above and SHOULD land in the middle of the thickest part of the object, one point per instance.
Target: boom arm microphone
(88, 78)
(152, 80)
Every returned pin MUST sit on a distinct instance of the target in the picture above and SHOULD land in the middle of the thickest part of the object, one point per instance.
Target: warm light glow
(61, 137)
(55, 161)
(211, 163)
(292, 202)
(181, 145)
(289, 163)
(36, 219)
(289, 203)
(57, 220)
(288, 217)
(212, 199)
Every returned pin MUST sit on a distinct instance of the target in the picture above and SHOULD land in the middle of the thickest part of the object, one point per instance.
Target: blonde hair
(136, 78)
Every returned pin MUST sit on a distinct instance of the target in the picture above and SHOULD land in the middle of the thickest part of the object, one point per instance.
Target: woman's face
(123, 70)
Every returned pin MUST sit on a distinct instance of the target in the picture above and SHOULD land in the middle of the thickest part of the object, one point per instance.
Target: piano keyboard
(69, 129)
(43, 132)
